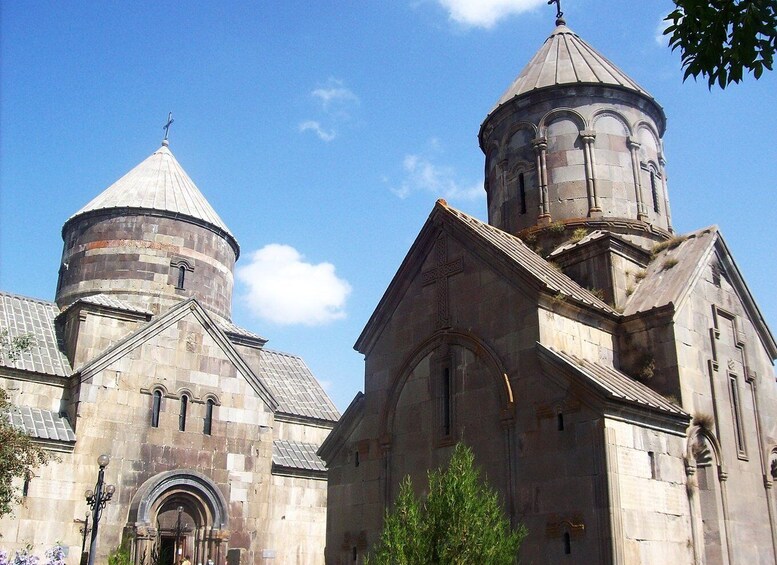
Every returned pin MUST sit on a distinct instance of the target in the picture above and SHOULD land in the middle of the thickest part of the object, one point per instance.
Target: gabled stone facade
(613, 379)
(211, 436)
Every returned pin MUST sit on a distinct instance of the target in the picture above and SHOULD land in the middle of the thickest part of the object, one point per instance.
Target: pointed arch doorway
(177, 514)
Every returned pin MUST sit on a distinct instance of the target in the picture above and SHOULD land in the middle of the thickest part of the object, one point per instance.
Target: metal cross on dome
(166, 127)
(559, 13)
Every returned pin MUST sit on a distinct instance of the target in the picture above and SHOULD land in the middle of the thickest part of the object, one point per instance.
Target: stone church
(613, 378)
(212, 437)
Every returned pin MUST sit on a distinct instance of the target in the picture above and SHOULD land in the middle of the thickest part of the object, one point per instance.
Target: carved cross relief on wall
(439, 275)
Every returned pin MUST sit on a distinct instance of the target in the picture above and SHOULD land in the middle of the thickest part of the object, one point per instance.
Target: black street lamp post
(96, 500)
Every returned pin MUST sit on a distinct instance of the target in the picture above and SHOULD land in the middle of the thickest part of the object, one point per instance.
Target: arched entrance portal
(175, 514)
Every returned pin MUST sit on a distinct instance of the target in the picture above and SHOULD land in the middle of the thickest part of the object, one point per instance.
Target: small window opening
(356, 461)
(355, 554)
(182, 415)
(740, 437)
(567, 544)
(560, 421)
(26, 485)
(654, 190)
(652, 460)
(156, 404)
(522, 192)
(208, 423)
(181, 277)
(446, 401)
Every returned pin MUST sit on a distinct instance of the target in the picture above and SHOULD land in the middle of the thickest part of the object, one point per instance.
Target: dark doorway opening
(167, 551)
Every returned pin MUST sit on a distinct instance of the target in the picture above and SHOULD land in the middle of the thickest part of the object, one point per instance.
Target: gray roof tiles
(669, 274)
(41, 424)
(158, 183)
(525, 258)
(294, 386)
(21, 315)
(296, 455)
(111, 302)
(564, 58)
(615, 384)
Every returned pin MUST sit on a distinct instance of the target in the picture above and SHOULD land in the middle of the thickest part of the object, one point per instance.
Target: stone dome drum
(575, 142)
(150, 239)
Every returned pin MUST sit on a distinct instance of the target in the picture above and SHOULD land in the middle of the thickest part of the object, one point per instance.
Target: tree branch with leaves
(722, 39)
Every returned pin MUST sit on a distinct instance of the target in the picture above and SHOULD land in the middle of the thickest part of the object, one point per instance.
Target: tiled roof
(21, 316)
(525, 258)
(563, 59)
(614, 384)
(111, 302)
(230, 328)
(296, 455)
(593, 236)
(42, 424)
(294, 386)
(664, 284)
(158, 183)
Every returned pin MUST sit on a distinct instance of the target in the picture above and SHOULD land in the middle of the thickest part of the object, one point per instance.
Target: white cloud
(422, 174)
(486, 13)
(334, 92)
(335, 102)
(312, 125)
(661, 39)
(284, 289)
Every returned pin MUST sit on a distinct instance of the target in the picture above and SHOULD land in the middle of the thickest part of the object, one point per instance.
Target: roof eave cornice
(137, 211)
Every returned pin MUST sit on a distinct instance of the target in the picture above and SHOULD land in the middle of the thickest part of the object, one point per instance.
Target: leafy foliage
(721, 39)
(18, 454)
(11, 348)
(18, 457)
(461, 521)
(121, 555)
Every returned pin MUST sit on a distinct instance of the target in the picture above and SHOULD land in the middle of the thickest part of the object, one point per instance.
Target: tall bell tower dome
(150, 239)
(574, 142)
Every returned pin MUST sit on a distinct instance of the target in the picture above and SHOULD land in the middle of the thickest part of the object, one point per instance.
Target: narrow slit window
(156, 405)
(181, 277)
(567, 544)
(560, 421)
(208, 423)
(737, 413)
(522, 192)
(182, 415)
(654, 191)
(356, 461)
(26, 485)
(652, 461)
(446, 401)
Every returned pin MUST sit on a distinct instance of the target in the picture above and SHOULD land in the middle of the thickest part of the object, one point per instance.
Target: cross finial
(559, 13)
(166, 127)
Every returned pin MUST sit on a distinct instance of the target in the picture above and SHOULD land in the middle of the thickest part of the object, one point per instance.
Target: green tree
(460, 522)
(721, 39)
(19, 456)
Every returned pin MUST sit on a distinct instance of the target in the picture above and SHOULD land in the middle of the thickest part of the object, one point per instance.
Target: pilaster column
(588, 137)
(634, 150)
(540, 146)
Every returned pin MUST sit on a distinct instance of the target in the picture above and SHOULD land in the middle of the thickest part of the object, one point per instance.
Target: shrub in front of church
(460, 522)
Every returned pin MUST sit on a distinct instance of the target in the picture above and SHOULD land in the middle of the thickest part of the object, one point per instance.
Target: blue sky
(323, 132)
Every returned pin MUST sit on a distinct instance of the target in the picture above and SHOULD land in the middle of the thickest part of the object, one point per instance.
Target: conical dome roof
(565, 59)
(158, 184)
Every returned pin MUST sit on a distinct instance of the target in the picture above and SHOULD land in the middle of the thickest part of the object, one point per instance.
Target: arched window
(208, 422)
(181, 277)
(156, 405)
(182, 414)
